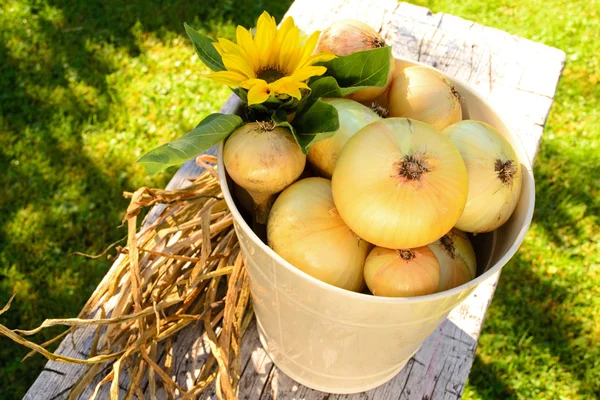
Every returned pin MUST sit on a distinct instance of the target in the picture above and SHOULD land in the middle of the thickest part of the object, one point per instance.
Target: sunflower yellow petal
(286, 26)
(266, 34)
(238, 64)
(245, 41)
(229, 78)
(228, 47)
(258, 93)
(218, 47)
(247, 84)
(309, 46)
(306, 50)
(310, 43)
(235, 58)
(322, 57)
(304, 73)
(288, 57)
(317, 58)
(288, 86)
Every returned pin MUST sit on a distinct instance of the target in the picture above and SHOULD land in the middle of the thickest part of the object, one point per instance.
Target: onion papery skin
(353, 116)
(457, 260)
(492, 199)
(305, 229)
(349, 36)
(388, 274)
(425, 95)
(263, 162)
(386, 208)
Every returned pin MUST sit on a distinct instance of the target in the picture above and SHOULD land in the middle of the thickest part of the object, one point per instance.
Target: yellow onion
(353, 116)
(402, 273)
(264, 160)
(306, 230)
(495, 175)
(350, 36)
(424, 94)
(399, 183)
(456, 257)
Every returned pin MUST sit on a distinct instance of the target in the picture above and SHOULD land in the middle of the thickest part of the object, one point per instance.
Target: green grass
(87, 86)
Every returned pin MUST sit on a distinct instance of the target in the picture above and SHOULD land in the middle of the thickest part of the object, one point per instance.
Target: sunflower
(275, 62)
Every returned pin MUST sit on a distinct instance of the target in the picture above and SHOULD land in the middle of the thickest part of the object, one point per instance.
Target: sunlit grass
(85, 90)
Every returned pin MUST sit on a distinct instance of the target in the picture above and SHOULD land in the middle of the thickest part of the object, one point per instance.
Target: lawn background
(87, 86)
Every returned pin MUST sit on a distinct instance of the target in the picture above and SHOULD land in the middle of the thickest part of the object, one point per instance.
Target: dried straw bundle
(185, 268)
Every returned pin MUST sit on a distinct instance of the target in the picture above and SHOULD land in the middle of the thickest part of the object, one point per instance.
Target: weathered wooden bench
(517, 76)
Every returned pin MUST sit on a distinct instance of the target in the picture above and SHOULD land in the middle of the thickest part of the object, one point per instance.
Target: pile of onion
(403, 190)
(306, 230)
(350, 36)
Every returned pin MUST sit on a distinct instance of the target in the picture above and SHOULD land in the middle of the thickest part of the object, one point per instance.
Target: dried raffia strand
(85, 379)
(166, 378)
(169, 365)
(233, 293)
(219, 354)
(94, 347)
(106, 379)
(165, 280)
(102, 321)
(114, 386)
(151, 378)
(48, 343)
(134, 384)
(238, 328)
(134, 270)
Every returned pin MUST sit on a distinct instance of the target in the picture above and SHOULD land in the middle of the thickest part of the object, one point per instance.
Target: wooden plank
(518, 77)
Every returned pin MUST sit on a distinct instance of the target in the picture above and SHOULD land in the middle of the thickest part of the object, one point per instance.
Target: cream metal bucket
(338, 341)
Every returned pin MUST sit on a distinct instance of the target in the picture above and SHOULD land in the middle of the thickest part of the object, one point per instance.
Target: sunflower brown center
(506, 171)
(270, 74)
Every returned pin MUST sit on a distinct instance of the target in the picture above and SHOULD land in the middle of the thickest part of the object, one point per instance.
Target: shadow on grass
(54, 199)
(533, 319)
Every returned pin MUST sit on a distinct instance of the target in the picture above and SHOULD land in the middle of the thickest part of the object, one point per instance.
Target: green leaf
(360, 70)
(280, 118)
(318, 122)
(205, 49)
(209, 132)
(324, 87)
